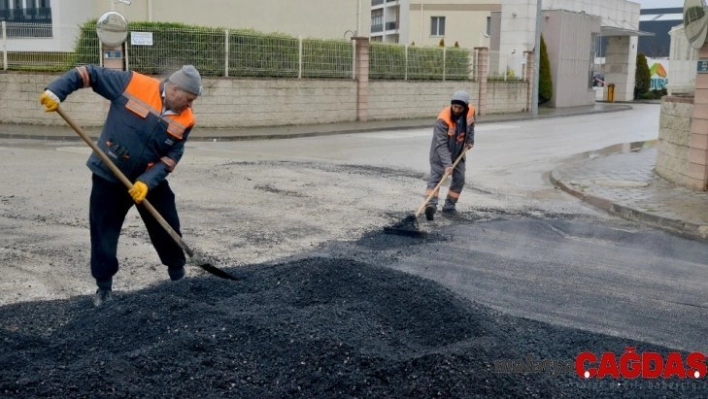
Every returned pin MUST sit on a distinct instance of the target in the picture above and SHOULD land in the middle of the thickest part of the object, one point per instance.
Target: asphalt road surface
(326, 304)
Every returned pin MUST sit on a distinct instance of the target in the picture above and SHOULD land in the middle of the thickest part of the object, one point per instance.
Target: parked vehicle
(598, 80)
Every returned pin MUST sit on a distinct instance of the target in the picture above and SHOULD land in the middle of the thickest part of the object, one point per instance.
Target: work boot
(102, 296)
(176, 274)
(449, 212)
(430, 212)
(449, 207)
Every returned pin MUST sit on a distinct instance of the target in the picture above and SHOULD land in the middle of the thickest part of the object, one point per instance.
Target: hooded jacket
(450, 135)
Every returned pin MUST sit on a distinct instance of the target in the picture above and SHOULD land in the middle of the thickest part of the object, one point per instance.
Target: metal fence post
(299, 59)
(405, 52)
(444, 61)
(226, 52)
(353, 59)
(4, 46)
(125, 52)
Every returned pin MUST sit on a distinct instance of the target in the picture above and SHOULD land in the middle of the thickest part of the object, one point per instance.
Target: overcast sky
(646, 4)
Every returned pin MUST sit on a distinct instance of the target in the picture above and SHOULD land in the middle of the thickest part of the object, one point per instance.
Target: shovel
(409, 225)
(145, 203)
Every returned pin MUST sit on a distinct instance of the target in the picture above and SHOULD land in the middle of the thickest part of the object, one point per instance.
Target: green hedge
(545, 79)
(388, 61)
(254, 54)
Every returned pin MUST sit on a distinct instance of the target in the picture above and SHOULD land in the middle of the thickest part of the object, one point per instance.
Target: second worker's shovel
(204, 265)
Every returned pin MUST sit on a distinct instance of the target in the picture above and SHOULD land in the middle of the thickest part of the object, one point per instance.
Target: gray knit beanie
(460, 96)
(188, 79)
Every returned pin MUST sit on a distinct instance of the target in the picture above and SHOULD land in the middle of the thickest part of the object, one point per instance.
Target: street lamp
(124, 2)
(536, 61)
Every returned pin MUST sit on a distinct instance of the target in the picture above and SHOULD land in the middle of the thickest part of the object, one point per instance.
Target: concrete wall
(255, 102)
(621, 65)
(230, 102)
(506, 97)
(408, 100)
(674, 139)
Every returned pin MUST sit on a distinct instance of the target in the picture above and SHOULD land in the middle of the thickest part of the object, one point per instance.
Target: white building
(333, 19)
(507, 27)
(426, 22)
(570, 29)
(683, 59)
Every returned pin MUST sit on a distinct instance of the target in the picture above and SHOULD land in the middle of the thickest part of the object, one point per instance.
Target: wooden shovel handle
(435, 190)
(117, 172)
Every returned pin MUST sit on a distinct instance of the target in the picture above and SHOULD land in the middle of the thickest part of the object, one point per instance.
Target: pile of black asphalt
(313, 327)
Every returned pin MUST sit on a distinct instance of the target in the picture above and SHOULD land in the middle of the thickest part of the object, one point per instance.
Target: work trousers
(437, 170)
(109, 204)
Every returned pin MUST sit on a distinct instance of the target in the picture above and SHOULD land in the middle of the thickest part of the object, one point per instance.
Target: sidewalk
(64, 133)
(624, 183)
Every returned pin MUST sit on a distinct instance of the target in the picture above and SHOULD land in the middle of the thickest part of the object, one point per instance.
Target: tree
(545, 82)
(642, 77)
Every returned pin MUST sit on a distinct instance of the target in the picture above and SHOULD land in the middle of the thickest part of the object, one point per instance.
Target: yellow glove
(49, 100)
(139, 191)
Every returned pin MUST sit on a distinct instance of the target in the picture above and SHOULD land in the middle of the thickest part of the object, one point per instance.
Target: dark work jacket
(144, 143)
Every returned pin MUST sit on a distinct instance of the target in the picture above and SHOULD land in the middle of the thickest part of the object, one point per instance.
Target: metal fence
(229, 53)
(25, 47)
(506, 66)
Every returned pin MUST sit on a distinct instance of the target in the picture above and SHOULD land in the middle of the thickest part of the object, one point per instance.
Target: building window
(437, 26)
(377, 24)
(488, 30)
(27, 18)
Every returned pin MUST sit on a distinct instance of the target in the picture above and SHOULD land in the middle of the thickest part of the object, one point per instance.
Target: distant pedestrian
(144, 135)
(453, 132)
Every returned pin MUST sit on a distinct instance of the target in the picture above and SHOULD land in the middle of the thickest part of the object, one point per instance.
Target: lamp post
(113, 3)
(536, 61)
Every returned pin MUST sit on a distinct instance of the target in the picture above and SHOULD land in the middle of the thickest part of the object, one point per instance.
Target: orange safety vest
(446, 116)
(144, 97)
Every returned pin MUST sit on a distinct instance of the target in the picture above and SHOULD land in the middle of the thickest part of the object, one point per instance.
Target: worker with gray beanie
(187, 79)
(148, 123)
(453, 133)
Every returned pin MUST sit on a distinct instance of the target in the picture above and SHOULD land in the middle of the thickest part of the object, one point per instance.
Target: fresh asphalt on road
(524, 271)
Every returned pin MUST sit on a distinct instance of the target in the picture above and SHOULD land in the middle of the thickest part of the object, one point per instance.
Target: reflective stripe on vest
(85, 77)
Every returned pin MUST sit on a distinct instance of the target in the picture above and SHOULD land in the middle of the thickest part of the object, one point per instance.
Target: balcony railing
(375, 3)
(377, 28)
(391, 25)
(30, 15)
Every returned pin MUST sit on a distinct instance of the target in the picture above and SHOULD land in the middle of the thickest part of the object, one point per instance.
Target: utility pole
(358, 18)
(536, 61)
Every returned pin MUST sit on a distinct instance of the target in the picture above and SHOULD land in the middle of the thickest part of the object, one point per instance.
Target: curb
(678, 227)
